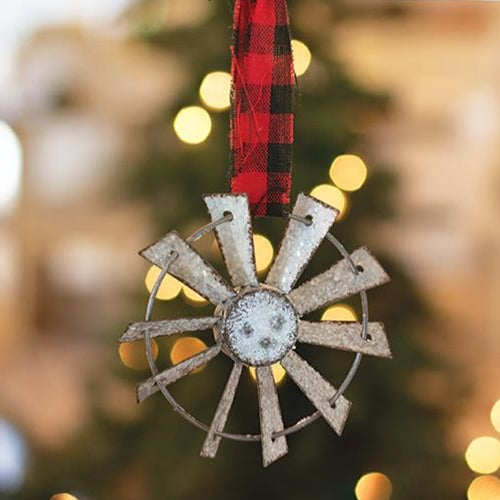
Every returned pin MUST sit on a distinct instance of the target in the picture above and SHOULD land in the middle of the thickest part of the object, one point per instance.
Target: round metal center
(260, 327)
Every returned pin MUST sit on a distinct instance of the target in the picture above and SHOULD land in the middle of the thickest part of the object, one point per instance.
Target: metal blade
(339, 282)
(234, 237)
(346, 336)
(174, 373)
(300, 241)
(137, 331)
(317, 390)
(189, 267)
(212, 441)
(270, 417)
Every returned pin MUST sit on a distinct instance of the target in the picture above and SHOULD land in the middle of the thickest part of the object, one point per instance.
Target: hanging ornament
(259, 324)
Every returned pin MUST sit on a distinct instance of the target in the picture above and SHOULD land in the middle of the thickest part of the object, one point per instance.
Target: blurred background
(114, 122)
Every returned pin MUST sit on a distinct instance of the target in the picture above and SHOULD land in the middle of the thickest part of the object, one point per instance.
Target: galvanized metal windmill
(259, 324)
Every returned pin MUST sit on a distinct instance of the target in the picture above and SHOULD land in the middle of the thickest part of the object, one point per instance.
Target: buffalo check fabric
(261, 105)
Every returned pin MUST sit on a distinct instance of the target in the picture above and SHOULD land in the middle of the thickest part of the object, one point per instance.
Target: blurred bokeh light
(374, 486)
(483, 455)
(264, 252)
(484, 488)
(63, 496)
(348, 172)
(185, 348)
(339, 312)
(301, 57)
(170, 287)
(215, 90)
(331, 195)
(193, 297)
(278, 371)
(133, 354)
(13, 457)
(495, 416)
(193, 125)
(11, 158)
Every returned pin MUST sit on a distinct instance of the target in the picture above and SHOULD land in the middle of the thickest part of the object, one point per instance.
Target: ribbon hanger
(261, 105)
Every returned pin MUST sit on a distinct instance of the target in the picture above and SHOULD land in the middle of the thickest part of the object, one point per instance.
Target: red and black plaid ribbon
(261, 112)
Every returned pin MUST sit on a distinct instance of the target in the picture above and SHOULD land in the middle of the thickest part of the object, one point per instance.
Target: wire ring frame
(300, 424)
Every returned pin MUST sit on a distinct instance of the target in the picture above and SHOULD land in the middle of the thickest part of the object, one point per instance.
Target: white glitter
(300, 241)
(260, 327)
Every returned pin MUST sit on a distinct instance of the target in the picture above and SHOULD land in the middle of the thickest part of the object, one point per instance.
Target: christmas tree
(154, 456)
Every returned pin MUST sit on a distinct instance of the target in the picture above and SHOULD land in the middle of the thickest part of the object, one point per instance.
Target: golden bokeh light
(63, 496)
(339, 312)
(483, 455)
(484, 488)
(279, 372)
(264, 252)
(495, 416)
(170, 287)
(332, 196)
(133, 354)
(301, 57)
(192, 297)
(193, 125)
(348, 172)
(215, 90)
(186, 347)
(374, 486)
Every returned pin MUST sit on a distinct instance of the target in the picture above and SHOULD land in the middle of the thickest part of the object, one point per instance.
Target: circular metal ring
(300, 424)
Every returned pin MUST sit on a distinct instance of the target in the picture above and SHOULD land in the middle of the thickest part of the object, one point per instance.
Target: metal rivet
(247, 329)
(277, 322)
(265, 342)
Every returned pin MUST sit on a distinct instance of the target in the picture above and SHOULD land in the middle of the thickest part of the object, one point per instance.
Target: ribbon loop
(261, 105)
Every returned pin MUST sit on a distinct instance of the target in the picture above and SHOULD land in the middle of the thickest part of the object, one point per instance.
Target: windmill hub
(260, 327)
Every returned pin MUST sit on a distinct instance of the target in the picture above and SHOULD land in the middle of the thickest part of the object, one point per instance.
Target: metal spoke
(319, 391)
(270, 417)
(234, 237)
(174, 373)
(339, 282)
(301, 241)
(189, 267)
(212, 441)
(346, 336)
(137, 331)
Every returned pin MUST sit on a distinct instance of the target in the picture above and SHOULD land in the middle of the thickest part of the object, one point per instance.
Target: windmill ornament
(259, 324)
